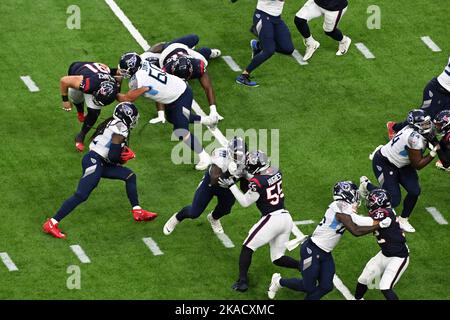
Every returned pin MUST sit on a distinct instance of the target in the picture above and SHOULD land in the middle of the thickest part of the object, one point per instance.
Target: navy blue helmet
(129, 64)
(237, 149)
(418, 120)
(256, 162)
(106, 94)
(442, 121)
(127, 113)
(346, 191)
(378, 198)
(186, 67)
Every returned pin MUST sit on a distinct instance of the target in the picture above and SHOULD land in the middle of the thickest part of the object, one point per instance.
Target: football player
(223, 159)
(332, 10)
(396, 163)
(90, 82)
(108, 152)
(390, 263)
(273, 36)
(436, 98)
(316, 264)
(275, 225)
(172, 96)
(442, 124)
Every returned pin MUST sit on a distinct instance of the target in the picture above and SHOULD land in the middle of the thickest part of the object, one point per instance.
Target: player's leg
(326, 275)
(189, 40)
(89, 121)
(92, 165)
(330, 26)
(225, 201)
(388, 177)
(277, 244)
(77, 98)
(283, 38)
(395, 267)
(309, 11)
(371, 271)
(410, 181)
(209, 53)
(125, 174)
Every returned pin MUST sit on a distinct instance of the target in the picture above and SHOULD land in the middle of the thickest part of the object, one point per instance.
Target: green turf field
(330, 114)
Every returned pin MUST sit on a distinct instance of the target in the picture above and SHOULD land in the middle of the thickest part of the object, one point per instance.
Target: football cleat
(405, 225)
(390, 127)
(215, 53)
(205, 161)
(240, 286)
(363, 182)
(254, 46)
(79, 146)
(171, 224)
(215, 224)
(52, 228)
(439, 165)
(80, 116)
(143, 215)
(274, 285)
(343, 46)
(310, 49)
(244, 79)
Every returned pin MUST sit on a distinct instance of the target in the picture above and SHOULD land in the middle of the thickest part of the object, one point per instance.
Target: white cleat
(205, 161)
(405, 225)
(215, 224)
(215, 53)
(343, 46)
(171, 224)
(310, 49)
(274, 285)
(363, 182)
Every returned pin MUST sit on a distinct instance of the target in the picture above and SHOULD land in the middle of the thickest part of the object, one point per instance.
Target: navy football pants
(191, 41)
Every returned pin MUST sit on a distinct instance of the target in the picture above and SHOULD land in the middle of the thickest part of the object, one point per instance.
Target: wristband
(64, 98)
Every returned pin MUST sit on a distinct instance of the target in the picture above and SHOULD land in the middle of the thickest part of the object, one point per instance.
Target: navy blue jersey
(392, 240)
(93, 75)
(332, 5)
(269, 186)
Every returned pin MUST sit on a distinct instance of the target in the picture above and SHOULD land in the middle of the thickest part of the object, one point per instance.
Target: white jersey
(164, 87)
(102, 142)
(444, 77)
(220, 158)
(151, 57)
(329, 231)
(272, 7)
(171, 49)
(396, 150)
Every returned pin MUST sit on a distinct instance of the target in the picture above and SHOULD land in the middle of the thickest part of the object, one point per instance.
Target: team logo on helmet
(378, 198)
(131, 63)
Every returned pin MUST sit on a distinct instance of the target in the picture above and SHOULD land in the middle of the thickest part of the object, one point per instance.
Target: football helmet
(181, 67)
(106, 94)
(129, 64)
(442, 121)
(418, 120)
(256, 162)
(346, 191)
(237, 149)
(378, 198)
(127, 113)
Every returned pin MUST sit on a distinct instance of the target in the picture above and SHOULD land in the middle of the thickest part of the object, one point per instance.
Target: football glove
(160, 118)
(226, 182)
(127, 154)
(386, 222)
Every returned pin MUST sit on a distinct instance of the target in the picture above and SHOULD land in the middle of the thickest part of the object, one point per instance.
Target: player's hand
(226, 182)
(386, 222)
(67, 106)
(433, 151)
(158, 119)
(127, 154)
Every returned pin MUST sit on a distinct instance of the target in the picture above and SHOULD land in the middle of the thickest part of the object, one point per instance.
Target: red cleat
(390, 127)
(53, 229)
(143, 215)
(79, 146)
(80, 116)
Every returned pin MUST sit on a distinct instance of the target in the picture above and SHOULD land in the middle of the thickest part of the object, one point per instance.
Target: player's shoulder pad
(118, 127)
(341, 207)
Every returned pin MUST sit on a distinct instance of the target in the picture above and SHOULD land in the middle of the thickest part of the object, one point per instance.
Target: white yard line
(8, 262)
(79, 252)
(437, 215)
(364, 50)
(297, 56)
(144, 44)
(302, 222)
(430, 44)
(225, 240)
(153, 246)
(342, 288)
(231, 63)
(30, 83)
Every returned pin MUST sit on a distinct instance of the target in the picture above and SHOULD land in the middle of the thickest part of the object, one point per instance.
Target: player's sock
(360, 291)
(371, 186)
(389, 294)
(206, 52)
(183, 213)
(293, 284)
(287, 262)
(131, 187)
(194, 118)
(89, 121)
(54, 221)
(336, 34)
(68, 206)
(408, 204)
(245, 259)
(399, 126)
(137, 208)
(302, 27)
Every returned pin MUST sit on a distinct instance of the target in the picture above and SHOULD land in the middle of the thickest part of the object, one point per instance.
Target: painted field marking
(430, 44)
(79, 252)
(437, 215)
(364, 50)
(8, 262)
(231, 63)
(342, 288)
(297, 56)
(153, 246)
(302, 222)
(30, 83)
(144, 45)
(225, 240)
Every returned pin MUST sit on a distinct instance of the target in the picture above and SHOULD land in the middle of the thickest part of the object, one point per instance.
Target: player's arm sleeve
(246, 199)
(115, 148)
(362, 221)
